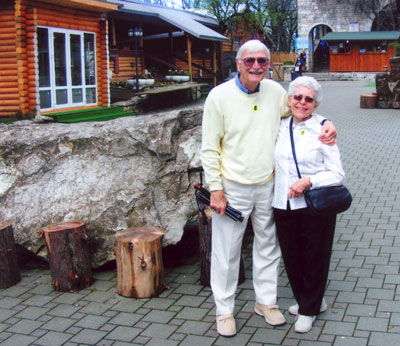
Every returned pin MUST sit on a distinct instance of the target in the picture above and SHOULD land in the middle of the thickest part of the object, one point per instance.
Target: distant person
(305, 239)
(298, 67)
(303, 57)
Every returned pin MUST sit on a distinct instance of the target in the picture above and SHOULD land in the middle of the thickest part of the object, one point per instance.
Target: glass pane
(76, 70)
(90, 95)
(61, 96)
(59, 59)
(77, 95)
(43, 46)
(90, 66)
(45, 99)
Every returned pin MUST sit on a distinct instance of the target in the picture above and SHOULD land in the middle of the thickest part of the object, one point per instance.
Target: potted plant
(179, 76)
(144, 78)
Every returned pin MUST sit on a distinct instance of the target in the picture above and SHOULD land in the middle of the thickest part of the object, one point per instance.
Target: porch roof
(362, 36)
(192, 23)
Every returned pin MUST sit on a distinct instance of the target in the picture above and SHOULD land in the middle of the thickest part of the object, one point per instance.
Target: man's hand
(298, 187)
(218, 202)
(328, 133)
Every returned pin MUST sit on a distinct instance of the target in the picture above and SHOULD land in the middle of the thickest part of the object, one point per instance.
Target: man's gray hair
(252, 46)
(308, 82)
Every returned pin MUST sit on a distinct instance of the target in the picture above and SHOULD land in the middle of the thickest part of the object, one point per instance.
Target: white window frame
(53, 88)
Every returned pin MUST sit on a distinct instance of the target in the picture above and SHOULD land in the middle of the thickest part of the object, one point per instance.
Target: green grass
(370, 85)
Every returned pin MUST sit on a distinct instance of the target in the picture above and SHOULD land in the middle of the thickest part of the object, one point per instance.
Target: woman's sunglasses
(300, 97)
(249, 62)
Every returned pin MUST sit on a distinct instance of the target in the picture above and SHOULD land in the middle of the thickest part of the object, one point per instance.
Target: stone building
(318, 17)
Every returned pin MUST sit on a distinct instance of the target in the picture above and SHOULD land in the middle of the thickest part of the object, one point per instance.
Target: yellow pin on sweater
(255, 108)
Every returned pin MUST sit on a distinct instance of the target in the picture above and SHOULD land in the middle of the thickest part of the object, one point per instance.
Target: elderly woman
(305, 239)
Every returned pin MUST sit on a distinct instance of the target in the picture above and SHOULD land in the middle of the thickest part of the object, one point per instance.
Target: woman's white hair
(308, 82)
(252, 46)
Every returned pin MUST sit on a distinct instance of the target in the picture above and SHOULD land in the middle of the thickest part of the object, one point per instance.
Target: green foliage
(396, 46)
(277, 17)
(143, 75)
(178, 73)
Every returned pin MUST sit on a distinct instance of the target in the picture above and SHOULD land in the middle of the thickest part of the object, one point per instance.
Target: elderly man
(240, 125)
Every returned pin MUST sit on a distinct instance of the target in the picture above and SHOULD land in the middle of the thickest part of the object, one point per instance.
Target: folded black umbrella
(203, 198)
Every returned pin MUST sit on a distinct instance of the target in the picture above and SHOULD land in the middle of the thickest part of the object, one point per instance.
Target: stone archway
(318, 51)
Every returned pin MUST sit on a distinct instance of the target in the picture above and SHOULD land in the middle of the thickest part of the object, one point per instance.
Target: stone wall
(112, 175)
(331, 13)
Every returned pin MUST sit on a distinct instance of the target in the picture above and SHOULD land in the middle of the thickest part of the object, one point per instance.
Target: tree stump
(205, 235)
(139, 262)
(368, 101)
(9, 270)
(68, 255)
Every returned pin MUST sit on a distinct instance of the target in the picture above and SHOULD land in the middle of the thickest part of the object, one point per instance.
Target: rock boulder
(111, 175)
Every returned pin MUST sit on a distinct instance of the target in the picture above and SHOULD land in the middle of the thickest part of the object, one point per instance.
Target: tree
(279, 18)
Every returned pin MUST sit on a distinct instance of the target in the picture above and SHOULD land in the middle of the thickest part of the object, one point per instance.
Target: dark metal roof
(362, 36)
(189, 22)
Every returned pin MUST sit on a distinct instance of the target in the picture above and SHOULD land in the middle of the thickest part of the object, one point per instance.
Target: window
(354, 27)
(237, 42)
(67, 68)
(373, 47)
(344, 47)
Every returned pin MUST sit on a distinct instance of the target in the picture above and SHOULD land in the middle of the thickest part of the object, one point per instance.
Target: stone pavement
(363, 291)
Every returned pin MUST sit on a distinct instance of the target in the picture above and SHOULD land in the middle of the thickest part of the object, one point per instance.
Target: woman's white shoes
(303, 323)
(294, 309)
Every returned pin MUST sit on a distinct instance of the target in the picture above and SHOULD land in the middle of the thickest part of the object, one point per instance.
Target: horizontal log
(6, 114)
(7, 17)
(4, 85)
(9, 108)
(7, 36)
(8, 91)
(8, 79)
(12, 96)
(9, 102)
(9, 55)
(7, 49)
(4, 72)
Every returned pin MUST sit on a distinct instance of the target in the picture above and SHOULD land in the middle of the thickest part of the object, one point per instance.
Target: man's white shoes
(271, 314)
(226, 325)
(294, 309)
(303, 323)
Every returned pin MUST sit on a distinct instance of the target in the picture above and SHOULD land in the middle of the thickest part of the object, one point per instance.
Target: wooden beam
(88, 5)
(214, 64)
(189, 52)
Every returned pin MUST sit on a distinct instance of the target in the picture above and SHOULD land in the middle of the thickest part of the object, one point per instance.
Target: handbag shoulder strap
(293, 148)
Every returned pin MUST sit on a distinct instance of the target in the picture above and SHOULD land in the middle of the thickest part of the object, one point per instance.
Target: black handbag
(328, 200)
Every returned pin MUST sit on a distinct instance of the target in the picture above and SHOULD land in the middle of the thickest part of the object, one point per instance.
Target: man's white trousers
(227, 236)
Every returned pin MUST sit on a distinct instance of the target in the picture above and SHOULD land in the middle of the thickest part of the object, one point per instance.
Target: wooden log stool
(140, 269)
(368, 101)
(68, 255)
(9, 270)
(205, 235)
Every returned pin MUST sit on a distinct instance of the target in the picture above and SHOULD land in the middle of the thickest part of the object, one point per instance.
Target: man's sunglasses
(249, 62)
(300, 97)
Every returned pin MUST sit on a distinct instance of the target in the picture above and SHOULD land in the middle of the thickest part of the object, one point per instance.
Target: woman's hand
(218, 202)
(328, 133)
(298, 187)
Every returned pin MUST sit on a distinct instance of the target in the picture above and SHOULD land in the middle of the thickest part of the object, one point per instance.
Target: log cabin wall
(18, 60)
(9, 92)
(354, 61)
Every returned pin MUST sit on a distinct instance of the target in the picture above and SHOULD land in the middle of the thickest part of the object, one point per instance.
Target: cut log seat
(140, 267)
(68, 255)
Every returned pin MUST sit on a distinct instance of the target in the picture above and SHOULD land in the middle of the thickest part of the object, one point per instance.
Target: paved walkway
(363, 291)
